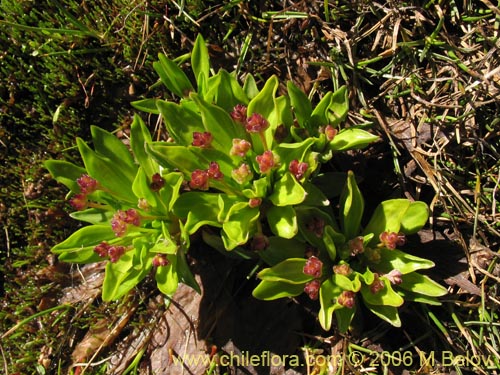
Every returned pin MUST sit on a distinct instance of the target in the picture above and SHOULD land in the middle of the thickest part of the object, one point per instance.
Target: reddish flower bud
(356, 246)
(214, 171)
(143, 204)
(79, 201)
(87, 184)
(115, 252)
(266, 161)
(298, 169)
(160, 260)
(313, 267)
(316, 225)
(395, 277)
(377, 285)
(312, 289)
(330, 132)
(132, 217)
(102, 249)
(254, 202)
(342, 269)
(202, 140)
(346, 299)
(392, 239)
(121, 219)
(199, 180)
(256, 123)
(259, 242)
(242, 174)
(239, 113)
(240, 147)
(157, 182)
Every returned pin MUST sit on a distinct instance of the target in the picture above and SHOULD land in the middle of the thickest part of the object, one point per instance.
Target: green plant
(243, 167)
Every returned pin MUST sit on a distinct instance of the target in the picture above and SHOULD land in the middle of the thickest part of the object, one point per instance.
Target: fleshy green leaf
(239, 226)
(107, 173)
(386, 296)
(328, 294)
(181, 120)
(282, 221)
(110, 147)
(271, 290)
(65, 173)
(301, 104)
(199, 208)
(287, 191)
(422, 284)
(172, 76)
(280, 249)
(331, 110)
(387, 313)
(218, 122)
(122, 276)
(289, 271)
(200, 61)
(79, 247)
(351, 207)
(146, 105)
(401, 261)
(415, 217)
(352, 139)
(172, 156)
(166, 277)
(93, 216)
(388, 216)
(139, 137)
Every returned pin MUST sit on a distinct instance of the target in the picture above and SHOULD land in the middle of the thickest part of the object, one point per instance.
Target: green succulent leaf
(200, 61)
(225, 91)
(93, 215)
(328, 293)
(401, 261)
(387, 313)
(289, 271)
(65, 173)
(108, 173)
(139, 137)
(386, 296)
(287, 191)
(280, 249)
(181, 120)
(239, 226)
(184, 272)
(331, 110)
(271, 290)
(206, 212)
(391, 214)
(422, 284)
(122, 276)
(172, 76)
(351, 207)
(79, 247)
(301, 104)
(218, 122)
(283, 221)
(146, 105)
(172, 156)
(352, 139)
(344, 318)
(414, 218)
(166, 277)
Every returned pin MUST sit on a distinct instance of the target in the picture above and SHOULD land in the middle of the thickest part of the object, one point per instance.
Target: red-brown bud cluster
(312, 289)
(391, 240)
(298, 169)
(202, 140)
(121, 220)
(114, 252)
(313, 267)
